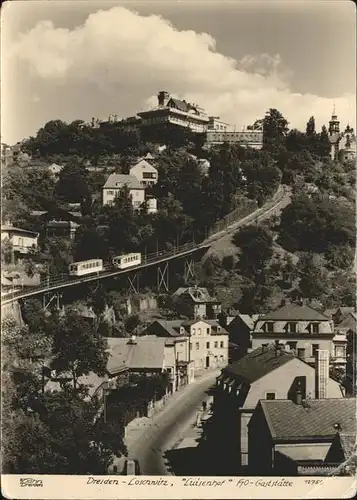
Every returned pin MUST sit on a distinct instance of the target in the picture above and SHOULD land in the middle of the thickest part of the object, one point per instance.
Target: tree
(310, 127)
(78, 348)
(314, 224)
(324, 146)
(313, 277)
(256, 250)
(72, 186)
(275, 129)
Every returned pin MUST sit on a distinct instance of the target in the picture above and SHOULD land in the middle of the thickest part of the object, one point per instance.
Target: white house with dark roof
(299, 437)
(146, 173)
(116, 182)
(203, 342)
(302, 330)
(265, 373)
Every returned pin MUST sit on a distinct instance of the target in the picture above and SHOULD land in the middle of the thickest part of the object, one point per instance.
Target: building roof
(119, 180)
(348, 444)
(318, 418)
(141, 353)
(258, 363)
(181, 105)
(199, 295)
(144, 164)
(5, 229)
(294, 312)
(212, 322)
(172, 326)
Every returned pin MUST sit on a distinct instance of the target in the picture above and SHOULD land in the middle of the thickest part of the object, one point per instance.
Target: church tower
(334, 124)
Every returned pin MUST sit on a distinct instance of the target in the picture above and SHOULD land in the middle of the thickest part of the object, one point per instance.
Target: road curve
(169, 424)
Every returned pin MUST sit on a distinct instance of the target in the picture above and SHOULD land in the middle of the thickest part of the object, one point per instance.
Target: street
(168, 426)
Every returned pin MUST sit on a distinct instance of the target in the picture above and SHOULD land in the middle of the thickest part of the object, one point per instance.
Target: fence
(243, 211)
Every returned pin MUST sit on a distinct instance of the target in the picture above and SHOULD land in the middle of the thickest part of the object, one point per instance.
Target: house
(151, 205)
(116, 182)
(240, 329)
(204, 342)
(342, 313)
(297, 437)
(146, 173)
(195, 302)
(147, 354)
(55, 169)
(58, 222)
(20, 240)
(302, 330)
(265, 373)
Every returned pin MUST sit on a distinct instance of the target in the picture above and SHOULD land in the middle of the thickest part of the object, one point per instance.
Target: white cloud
(127, 58)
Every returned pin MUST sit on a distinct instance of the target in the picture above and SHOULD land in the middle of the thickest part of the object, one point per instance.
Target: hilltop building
(171, 111)
(343, 143)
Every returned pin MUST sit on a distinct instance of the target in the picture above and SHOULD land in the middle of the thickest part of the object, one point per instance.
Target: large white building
(116, 182)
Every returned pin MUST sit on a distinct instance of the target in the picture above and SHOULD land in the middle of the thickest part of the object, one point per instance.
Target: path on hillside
(223, 246)
(169, 425)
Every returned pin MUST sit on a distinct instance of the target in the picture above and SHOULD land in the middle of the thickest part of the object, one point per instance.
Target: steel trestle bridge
(57, 283)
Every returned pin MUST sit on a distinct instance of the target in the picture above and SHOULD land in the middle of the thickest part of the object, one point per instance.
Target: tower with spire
(334, 124)
(343, 144)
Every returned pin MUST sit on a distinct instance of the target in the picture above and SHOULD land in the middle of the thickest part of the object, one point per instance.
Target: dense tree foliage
(78, 348)
(315, 224)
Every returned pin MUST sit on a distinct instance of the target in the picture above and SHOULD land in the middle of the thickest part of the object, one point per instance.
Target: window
(270, 395)
(270, 327)
(197, 346)
(110, 193)
(292, 345)
(216, 345)
(222, 344)
(340, 351)
(315, 347)
(315, 328)
(207, 345)
(193, 331)
(199, 331)
(218, 329)
(207, 331)
(291, 327)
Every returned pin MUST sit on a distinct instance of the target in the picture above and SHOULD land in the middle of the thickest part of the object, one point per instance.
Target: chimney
(298, 397)
(163, 98)
(321, 374)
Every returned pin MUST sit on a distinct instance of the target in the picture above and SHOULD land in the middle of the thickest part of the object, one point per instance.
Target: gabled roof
(288, 420)
(120, 180)
(181, 105)
(144, 164)
(249, 321)
(143, 353)
(172, 327)
(258, 363)
(199, 295)
(12, 229)
(294, 312)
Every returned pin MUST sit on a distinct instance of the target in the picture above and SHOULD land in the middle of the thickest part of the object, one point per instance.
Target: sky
(80, 59)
